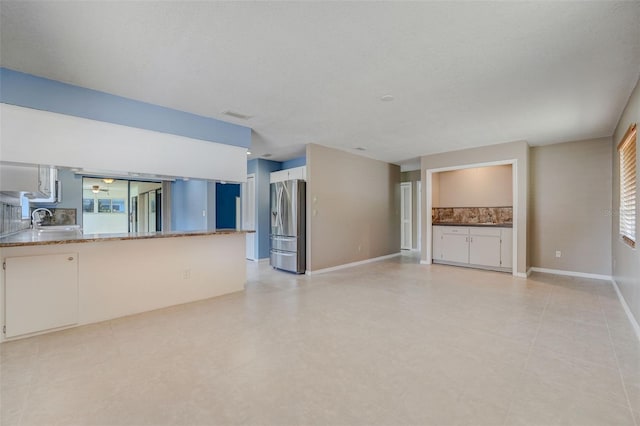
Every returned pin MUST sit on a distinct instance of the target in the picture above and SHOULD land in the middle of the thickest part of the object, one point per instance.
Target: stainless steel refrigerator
(288, 230)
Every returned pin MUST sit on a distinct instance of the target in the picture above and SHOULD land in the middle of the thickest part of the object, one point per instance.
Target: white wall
(41, 137)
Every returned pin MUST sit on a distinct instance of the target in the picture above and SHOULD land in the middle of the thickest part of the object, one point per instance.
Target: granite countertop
(30, 237)
(485, 225)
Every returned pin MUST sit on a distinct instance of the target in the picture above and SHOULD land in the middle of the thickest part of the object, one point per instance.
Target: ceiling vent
(237, 115)
(359, 148)
(266, 155)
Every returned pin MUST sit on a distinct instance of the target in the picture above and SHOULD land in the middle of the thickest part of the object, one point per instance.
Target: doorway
(119, 205)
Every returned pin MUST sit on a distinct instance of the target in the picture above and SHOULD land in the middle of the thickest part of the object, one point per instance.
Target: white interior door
(419, 214)
(405, 216)
(248, 194)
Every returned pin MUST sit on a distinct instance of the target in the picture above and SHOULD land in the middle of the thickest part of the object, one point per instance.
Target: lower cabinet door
(506, 248)
(484, 250)
(454, 248)
(41, 292)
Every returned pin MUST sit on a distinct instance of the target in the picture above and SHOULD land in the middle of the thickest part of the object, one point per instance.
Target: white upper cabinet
(289, 174)
(36, 181)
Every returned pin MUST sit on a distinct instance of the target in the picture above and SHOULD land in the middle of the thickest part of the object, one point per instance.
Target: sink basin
(71, 229)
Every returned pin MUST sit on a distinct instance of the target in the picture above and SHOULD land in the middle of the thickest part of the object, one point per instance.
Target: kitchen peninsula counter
(30, 237)
(62, 281)
(484, 225)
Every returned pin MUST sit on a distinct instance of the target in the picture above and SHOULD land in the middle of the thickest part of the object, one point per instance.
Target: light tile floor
(389, 343)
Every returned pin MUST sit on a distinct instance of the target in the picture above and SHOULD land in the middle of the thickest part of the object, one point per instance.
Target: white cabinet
(36, 181)
(454, 245)
(488, 247)
(506, 248)
(484, 246)
(41, 292)
(289, 174)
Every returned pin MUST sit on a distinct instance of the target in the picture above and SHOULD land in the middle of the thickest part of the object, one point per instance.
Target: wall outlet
(186, 274)
(558, 253)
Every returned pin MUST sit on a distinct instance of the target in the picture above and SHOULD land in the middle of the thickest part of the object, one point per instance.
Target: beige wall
(476, 187)
(353, 208)
(518, 151)
(570, 193)
(626, 261)
(414, 178)
(435, 190)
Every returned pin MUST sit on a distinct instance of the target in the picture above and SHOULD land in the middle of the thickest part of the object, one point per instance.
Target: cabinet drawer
(493, 232)
(456, 230)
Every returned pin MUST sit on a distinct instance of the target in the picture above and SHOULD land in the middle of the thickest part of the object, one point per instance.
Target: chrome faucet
(35, 222)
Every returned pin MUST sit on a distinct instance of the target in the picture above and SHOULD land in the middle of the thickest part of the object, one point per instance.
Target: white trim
(408, 245)
(349, 265)
(627, 310)
(263, 260)
(520, 275)
(419, 213)
(424, 262)
(429, 205)
(571, 273)
(529, 271)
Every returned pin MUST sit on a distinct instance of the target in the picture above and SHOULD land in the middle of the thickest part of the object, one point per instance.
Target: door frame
(243, 198)
(403, 186)
(429, 205)
(419, 214)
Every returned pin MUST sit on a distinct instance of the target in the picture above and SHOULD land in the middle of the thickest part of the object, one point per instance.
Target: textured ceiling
(463, 74)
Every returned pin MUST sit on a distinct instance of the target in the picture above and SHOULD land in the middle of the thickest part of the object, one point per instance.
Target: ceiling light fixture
(107, 181)
(386, 98)
(234, 114)
(248, 152)
(95, 189)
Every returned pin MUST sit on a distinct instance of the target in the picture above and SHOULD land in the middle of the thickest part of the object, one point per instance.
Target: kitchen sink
(71, 229)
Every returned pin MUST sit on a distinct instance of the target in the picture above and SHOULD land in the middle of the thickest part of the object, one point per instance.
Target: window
(627, 153)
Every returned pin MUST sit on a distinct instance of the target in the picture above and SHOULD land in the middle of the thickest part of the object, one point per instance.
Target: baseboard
(627, 310)
(263, 260)
(352, 264)
(425, 262)
(529, 271)
(571, 273)
(522, 274)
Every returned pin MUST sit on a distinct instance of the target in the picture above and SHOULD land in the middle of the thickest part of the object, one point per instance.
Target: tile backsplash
(11, 219)
(60, 217)
(497, 215)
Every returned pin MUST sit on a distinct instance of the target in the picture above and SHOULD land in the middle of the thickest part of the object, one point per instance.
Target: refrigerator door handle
(279, 211)
(284, 253)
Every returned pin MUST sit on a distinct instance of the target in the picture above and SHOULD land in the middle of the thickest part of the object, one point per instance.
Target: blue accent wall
(226, 205)
(26, 90)
(188, 200)
(294, 162)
